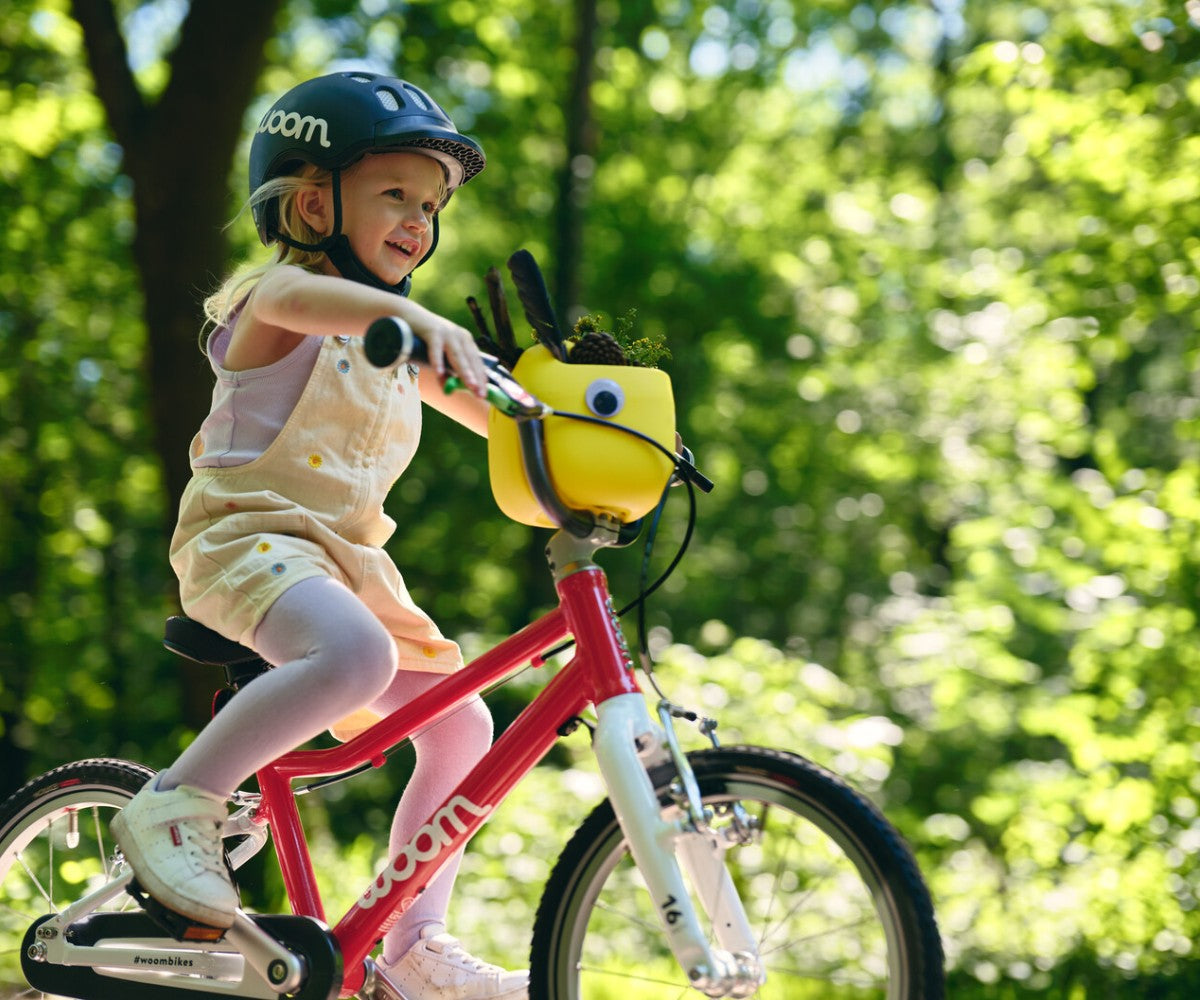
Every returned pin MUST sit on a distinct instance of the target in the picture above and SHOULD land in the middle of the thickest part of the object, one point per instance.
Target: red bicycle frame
(600, 669)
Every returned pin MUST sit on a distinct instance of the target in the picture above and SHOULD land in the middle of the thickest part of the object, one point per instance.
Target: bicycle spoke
(631, 977)
(19, 914)
(823, 933)
(37, 883)
(100, 843)
(50, 841)
(630, 918)
(834, 978)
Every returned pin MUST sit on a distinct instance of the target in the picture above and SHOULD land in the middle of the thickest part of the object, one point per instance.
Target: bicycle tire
(55, 846)
(832, 892)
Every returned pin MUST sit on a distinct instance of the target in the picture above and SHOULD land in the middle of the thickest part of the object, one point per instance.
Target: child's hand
(451, 346)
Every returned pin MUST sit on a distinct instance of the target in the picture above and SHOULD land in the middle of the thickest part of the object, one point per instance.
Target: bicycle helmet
(331, 122)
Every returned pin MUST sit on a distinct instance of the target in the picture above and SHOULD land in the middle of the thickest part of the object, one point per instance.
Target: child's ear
(311, 203)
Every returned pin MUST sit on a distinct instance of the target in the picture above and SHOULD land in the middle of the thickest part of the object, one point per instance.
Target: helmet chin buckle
(351, 268)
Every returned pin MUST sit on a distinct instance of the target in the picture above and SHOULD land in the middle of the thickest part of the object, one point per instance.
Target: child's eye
(428, 207)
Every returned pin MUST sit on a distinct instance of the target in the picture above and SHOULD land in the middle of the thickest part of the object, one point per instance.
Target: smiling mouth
(405, 248)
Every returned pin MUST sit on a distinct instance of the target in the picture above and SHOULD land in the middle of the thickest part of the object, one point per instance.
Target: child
(280, 532)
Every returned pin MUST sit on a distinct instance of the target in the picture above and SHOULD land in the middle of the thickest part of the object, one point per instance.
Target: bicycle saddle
(193, 641)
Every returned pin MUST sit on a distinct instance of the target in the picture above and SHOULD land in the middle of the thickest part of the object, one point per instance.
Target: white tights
(334, 657)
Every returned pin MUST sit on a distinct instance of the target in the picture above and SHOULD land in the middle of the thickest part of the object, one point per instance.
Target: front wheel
(832, 893)
(55, 846)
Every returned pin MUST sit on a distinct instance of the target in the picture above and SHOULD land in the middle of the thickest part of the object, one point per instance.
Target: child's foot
(172, 841)
(437, 968)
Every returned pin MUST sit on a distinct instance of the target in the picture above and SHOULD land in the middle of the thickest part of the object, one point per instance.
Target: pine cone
(597, 348)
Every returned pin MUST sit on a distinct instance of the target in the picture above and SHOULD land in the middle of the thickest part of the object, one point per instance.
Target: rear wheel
(832, 894)
(55, 847)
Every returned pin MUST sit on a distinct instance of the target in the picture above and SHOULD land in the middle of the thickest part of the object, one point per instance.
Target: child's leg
(446, 753)
(420, 961)
(333, 657)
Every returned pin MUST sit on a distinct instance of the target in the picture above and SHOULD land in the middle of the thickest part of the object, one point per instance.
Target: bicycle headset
(332, 122)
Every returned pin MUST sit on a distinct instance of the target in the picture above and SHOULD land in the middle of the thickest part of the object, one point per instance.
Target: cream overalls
(312, 505)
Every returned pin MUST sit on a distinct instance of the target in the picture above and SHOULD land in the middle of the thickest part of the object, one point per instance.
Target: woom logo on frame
(427, 843)
(293, 125)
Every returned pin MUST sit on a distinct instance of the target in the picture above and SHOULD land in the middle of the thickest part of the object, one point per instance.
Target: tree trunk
(574, 180)
(178, 152)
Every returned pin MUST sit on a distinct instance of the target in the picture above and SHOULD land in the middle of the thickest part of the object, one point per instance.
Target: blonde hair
(221, 305)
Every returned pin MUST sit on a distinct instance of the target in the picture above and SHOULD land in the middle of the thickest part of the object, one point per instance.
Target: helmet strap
(336, 246)
(337, 249)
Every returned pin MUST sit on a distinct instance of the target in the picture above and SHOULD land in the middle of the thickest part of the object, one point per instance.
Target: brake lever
(504, 392)
(686, 471)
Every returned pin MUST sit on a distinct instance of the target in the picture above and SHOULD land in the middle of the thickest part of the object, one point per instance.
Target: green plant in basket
(591, 344)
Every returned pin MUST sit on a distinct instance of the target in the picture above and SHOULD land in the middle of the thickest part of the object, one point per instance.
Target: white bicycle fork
(627, 740)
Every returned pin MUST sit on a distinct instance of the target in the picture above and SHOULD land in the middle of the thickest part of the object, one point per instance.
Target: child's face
(388, 204)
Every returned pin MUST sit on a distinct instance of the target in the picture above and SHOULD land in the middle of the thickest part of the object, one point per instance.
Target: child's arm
(289, 302)
(468, 410)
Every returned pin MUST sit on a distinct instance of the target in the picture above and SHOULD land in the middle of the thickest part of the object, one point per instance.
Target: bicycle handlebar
(391, 341)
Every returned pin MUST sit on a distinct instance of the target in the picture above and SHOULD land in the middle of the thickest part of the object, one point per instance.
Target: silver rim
(826, 924)
(60, 850)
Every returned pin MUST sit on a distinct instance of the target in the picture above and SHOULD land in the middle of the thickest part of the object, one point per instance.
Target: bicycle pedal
(181, 928)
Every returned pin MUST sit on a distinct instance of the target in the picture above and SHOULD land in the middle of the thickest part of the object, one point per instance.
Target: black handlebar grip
(390, 341)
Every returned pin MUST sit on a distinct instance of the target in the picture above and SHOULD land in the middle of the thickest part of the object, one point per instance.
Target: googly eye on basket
(593, 467)
(605, 397)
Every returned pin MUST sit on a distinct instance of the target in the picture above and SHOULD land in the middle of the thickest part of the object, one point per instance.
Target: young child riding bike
(279, 542)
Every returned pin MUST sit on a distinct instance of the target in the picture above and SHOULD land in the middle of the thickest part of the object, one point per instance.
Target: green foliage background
(929, 275)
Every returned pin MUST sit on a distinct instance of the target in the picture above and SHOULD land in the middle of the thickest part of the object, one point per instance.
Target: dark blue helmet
(334, 120)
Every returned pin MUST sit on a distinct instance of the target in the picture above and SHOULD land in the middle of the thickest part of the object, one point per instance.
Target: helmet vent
(417, 98)
(388, 98)
(361, 77)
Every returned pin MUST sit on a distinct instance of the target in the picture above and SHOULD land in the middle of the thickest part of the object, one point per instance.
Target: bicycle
(732, 871)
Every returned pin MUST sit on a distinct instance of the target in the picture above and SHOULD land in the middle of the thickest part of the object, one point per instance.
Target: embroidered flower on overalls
(264, 546)
(343, 366)
(316, 461)
(278, 568)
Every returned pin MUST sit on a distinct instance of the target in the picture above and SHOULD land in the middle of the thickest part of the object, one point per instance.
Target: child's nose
(417, 220)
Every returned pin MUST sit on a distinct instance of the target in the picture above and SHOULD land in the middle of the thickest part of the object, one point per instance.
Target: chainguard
(148, 964)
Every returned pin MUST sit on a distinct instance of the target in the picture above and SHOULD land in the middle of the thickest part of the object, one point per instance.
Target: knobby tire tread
(98, 772)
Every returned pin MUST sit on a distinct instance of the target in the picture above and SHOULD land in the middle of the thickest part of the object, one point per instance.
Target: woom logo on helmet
(291, 124)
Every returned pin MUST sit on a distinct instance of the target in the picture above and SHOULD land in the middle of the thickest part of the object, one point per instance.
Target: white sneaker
(172, 840)
(437, 968)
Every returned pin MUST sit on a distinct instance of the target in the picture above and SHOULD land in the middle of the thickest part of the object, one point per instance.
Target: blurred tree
(177, 135)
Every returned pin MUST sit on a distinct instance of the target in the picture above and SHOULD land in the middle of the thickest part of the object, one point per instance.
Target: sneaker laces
(205, 848)
(453, 952)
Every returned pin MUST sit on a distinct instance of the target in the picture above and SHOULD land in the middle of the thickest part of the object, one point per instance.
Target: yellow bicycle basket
(594, 468)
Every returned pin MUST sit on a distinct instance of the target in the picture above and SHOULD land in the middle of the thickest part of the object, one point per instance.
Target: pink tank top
(249, 408)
